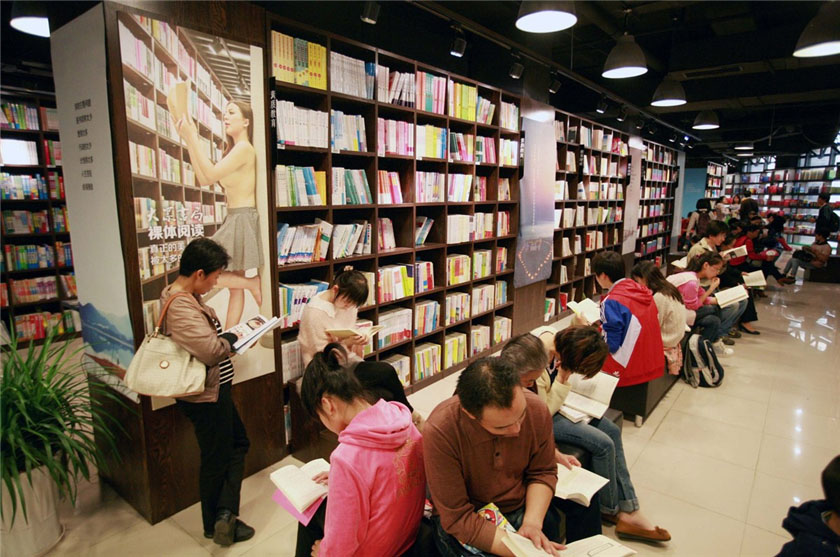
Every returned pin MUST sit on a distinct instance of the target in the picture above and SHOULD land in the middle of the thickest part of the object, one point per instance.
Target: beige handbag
(161, 367)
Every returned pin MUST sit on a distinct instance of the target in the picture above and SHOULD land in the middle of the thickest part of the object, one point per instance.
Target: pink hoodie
(377, 485)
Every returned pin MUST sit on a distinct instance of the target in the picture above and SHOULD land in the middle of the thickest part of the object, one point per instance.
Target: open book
(587, 309)
(578, 484)
(297, 486)
(731, 296)
(341, 334)
(594, 546)
(680, 263)
(249, 332)
(740, 251)
(755, 279)
(176, 100)
(591, 396)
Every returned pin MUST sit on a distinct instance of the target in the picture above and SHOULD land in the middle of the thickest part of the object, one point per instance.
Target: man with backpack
(827, 219)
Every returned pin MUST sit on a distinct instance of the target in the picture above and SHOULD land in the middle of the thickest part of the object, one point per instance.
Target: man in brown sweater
(491, 443)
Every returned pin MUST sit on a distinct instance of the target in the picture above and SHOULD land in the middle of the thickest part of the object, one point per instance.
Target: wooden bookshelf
(47, 201)
(403, 215)
(793, 191)
(715, 177)
(656, 204)
(585, 193)
(160, 135)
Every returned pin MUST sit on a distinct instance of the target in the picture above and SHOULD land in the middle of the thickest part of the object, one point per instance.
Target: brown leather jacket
(189, 322)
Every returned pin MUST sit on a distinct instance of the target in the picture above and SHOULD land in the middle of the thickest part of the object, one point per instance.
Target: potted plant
(48, 415)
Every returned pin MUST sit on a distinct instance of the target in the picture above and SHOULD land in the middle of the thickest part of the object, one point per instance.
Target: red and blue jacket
(630, 323)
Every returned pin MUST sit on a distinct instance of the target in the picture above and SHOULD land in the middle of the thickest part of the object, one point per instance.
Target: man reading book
(491, 443)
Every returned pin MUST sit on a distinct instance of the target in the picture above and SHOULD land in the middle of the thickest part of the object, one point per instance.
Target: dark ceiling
(732, 57)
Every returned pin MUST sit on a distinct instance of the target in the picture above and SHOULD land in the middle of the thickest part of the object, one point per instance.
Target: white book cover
(578, 484)
(726, 298)
(591, 396)
(587, 309)
(297, 484)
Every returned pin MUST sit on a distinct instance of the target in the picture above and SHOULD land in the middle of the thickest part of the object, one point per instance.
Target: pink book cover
(303, 517)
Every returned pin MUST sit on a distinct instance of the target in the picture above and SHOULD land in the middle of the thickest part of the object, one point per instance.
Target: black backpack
(833, 222)
(701, 367)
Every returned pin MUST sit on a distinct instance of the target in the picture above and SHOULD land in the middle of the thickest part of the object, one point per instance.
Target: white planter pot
(41, 530)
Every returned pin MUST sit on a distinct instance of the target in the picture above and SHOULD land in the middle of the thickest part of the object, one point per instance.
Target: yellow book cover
(322, 63)
(321, 185)
(176, 100)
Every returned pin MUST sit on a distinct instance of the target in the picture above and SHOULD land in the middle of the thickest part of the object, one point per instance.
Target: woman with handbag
(221, 435)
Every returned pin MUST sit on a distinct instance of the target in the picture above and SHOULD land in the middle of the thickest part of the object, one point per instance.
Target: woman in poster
(236, 173)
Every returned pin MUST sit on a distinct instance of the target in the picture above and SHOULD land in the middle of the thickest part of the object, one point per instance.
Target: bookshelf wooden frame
(403, 215)
(657, 157)
(53, 305)
(715, 178)
(579, 285)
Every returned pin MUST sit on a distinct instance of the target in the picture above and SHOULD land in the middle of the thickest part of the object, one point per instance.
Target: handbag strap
(166, 307)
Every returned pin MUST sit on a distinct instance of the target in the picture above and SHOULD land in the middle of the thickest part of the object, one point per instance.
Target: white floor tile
(771, 498)
(760, 543)
(710, 404)
(797, 461)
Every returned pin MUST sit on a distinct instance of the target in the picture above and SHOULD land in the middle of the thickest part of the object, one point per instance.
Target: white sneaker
(721, 349)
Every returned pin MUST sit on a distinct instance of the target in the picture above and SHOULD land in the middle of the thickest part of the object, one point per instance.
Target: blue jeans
(730, 315)
(709, 320)
(602, 439)
(793, 266)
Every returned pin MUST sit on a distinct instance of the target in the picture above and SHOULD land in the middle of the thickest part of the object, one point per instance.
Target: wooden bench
(829, 273)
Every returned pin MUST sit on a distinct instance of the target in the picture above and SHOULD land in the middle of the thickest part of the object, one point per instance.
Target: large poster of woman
(196, 135)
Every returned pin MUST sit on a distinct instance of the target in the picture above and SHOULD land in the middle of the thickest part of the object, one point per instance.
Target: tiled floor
(717, 467)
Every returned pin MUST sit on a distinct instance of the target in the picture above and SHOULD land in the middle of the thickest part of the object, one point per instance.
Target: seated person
(814, 256)
(815, 525)
(755, 259)
(491, 443)
(547, 361)
(699, 220)
(376, 482)
(335, 308)
(775, 233)
(715, 235)
(670, 310)
(629, 323)
(731, 276)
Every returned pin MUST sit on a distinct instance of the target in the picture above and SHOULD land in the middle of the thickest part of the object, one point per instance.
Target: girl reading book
(376, 483)
(669, 305)
(546, 360)
(239, 234)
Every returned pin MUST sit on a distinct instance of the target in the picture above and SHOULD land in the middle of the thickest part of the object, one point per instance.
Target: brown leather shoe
(630, 532)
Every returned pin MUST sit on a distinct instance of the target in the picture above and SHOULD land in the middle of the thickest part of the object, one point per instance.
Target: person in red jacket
(630, 324)
(762, 258)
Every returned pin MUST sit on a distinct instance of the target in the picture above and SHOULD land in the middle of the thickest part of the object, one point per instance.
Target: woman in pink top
(376, 482)
(700, 305)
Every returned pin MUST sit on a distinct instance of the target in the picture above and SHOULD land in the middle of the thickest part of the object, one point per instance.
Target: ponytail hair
(326, 375)
(581, 350)
(710, 257)
(655, 280)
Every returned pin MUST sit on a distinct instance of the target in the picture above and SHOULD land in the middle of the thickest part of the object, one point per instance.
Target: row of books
(27, 186)
(26, 222)
(352, 239)
(170, 167)
(142, 160)
(422, 227)
(461, 147)
(652, 228)
(402, 365)
(429, 187)
(431, 142)
(466, 228)
(659, 174)
(386, 234)
(299, 186)
(482, 263)
(652, 210)
(509, 116)
(457, 307)
(395, 87)
(659, 155)
(479, 339)
(18, 151)
(293, 297)
(458, 269)
(352, 76)
(394, 282)
(455, 349)
(347, 132)
(304, 243)
(503, 223)
(28, 256)
(594, 240)
(459, 187)
(655, 192)
(298, 61)
(463, 100)
(18, 116)
(138, 107)
(593, 191)
(424, 276)
(396, 327)
(292, 359)
(502, 327)
(394, 137)
(299, 126)
(35, 289)
(34, 326)
(350, 186)
(52, 152)
(508, 152)
(483, 298)
(427, 360)
(426, 317)
(157, 259)
(389, 190)
(650, 246)
(485, 150)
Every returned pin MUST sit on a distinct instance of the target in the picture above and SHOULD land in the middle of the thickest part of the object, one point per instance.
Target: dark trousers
(223, 442)
(581, 522)
(312, 532)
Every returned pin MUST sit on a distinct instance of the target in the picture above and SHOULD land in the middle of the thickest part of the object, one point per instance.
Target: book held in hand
(578, 484)
(740, 251)
(341, 334)
(594, 546)
(591, 396)
(248, 332)
(755, 279)
(299, 491)
(587, 309)
(726, 298)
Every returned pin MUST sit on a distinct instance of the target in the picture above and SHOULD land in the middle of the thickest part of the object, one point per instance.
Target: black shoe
(242, 532)
(224, 530)
(734, 333)
(745, 330)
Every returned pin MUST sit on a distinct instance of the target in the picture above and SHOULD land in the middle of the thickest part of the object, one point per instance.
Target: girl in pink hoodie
(377, 483)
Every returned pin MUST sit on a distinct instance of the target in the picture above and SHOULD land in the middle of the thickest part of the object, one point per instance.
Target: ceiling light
(626, 59)
(669, 93)
(673, 138)
(744, 147)
(555, 84)
(516, 68)
(822, 35)
(682, 144)
(31, 18)
(706, 120)
(602, 106)
(459, 46)
(370, 12)
(640, 124)
(686, 138)
(622, 114)
(652, 128)
(744, 154)
(545, 17)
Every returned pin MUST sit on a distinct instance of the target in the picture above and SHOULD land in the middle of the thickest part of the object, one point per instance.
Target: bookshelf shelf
(659, 175)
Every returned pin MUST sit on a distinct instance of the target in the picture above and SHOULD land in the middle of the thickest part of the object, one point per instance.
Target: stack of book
(351, 76)
(501, 292)
(455, 349)
(431, 92)
(350, 186)
(351, 239)
(508, 152)
(303, 243)
(26, 222)
(138, 107)
(298, 61)
(348, 132)
(394, 137)
(461, 147)
(484, 110)
(395, 282)
(483, 298)
(457, 307)
(300, 126)
(431, 142)
(426, 317)
(28, 256)
(16, 116)
(429, 187)
(483, 225)
(389, 189)
(426, 360)
(479, 339)
(482, 263)
(396, 327)
(501, 329)
(424, 276)
(142, 160)
(299, 186)
(36, 289)
(22, 186)
(395, 87)
(462, 100)
(509, 116)
(459, 187)
(386, 234)
(485, 150)
(459, 228)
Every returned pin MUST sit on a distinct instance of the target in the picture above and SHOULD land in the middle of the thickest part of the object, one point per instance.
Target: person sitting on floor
(491, 443)
(546, 360)
(376, 482)
(815, 525)
(629, 323)
(670, 309)
(814, 256)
